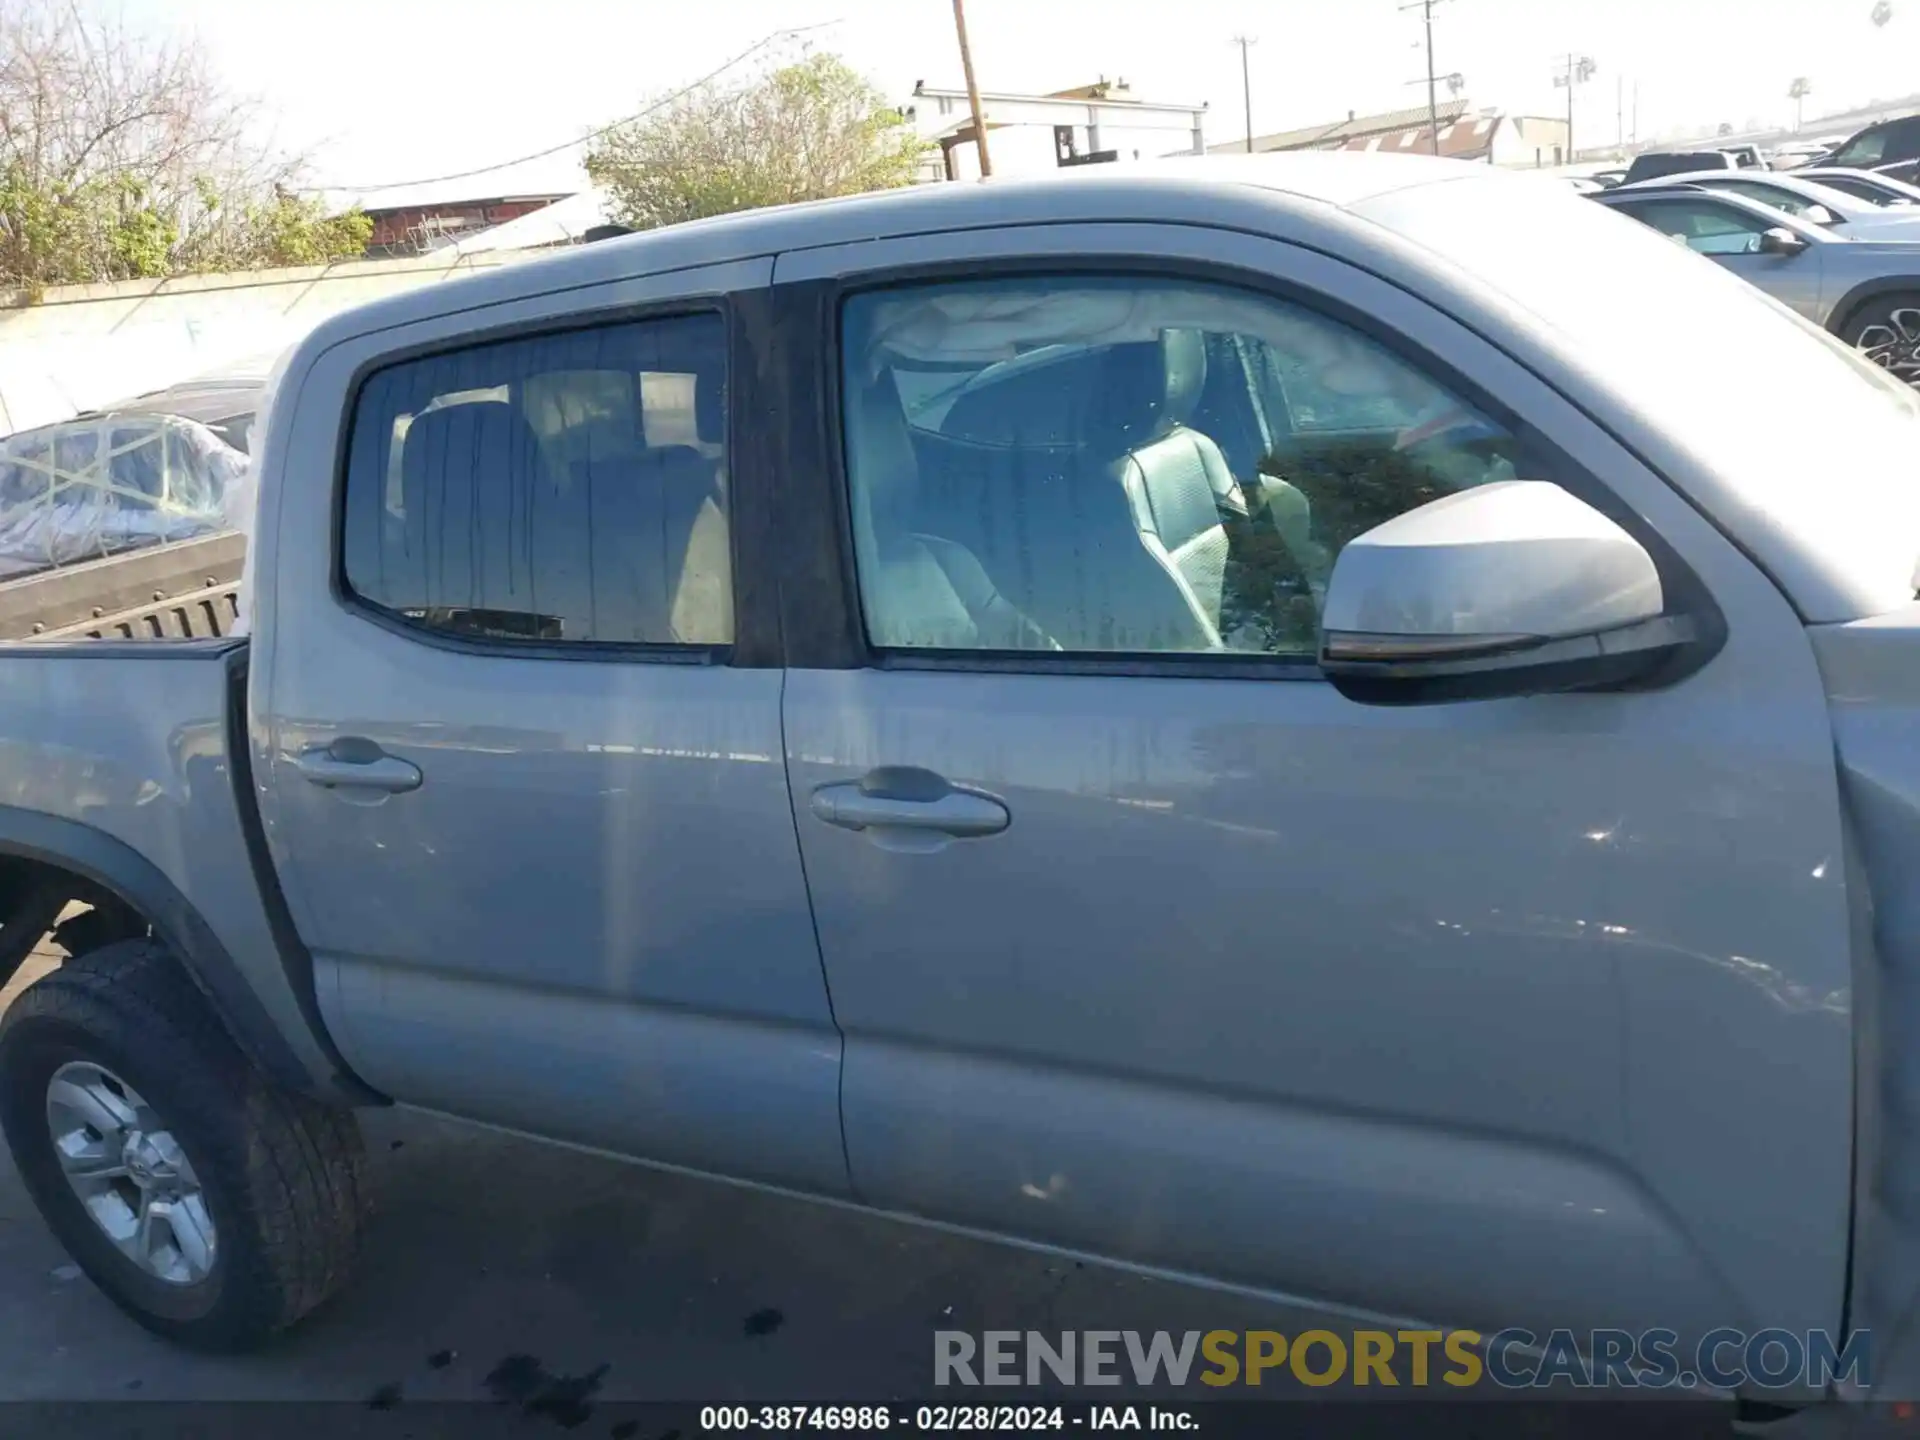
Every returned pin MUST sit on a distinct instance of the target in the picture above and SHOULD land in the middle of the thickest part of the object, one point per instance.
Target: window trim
(825, 623)
(497, 647)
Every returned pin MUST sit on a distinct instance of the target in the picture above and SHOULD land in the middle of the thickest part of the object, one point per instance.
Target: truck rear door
(526, 793)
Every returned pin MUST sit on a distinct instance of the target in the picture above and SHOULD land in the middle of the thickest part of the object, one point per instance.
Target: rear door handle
(351, 763)
(958, 812)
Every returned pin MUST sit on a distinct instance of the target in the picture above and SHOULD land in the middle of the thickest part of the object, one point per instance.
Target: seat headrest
(468, 443)
(710, 406)
(885, 468)
(1184, 353)
(1147, 388)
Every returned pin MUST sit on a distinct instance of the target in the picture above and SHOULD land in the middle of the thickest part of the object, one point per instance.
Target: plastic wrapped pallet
(99, 486)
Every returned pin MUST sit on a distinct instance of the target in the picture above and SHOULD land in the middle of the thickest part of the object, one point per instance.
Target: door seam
(819, 949)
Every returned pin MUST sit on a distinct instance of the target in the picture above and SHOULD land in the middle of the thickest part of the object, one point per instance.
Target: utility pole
(1246, 82)
(1798, 92)
(1620, 112)
(1578, 69)
(973, 87)
(1425, 7)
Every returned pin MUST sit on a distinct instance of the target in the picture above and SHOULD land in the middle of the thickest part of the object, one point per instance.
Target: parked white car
(1821, 205)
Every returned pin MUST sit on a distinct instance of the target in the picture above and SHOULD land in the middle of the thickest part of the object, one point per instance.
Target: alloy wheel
(1894, 344)
(130, 1173)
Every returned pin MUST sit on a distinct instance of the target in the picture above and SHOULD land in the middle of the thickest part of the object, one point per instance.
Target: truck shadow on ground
(556, 1287)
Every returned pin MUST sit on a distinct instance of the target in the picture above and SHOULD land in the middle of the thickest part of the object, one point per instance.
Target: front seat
(1179, 488)
(923, 590)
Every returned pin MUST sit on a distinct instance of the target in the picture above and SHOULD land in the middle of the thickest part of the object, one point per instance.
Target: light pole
(973, 88)
(1798, 92)
(1246, 82)
(1425, 7)
(1576, 71)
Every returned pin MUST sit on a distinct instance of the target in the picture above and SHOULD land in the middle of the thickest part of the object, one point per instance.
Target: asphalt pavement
(499, 1269)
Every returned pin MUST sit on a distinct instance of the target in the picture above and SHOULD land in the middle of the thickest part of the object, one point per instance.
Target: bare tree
(805, 131)
(124, 155)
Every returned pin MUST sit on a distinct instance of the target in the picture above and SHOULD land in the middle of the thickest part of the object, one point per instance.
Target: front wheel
(212, 1206)
(1887, 331)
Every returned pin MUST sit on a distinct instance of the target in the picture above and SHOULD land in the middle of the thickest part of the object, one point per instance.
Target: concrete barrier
(83, 346)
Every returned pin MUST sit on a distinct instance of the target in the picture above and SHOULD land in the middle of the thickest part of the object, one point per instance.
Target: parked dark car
(1661, 163)
(1877, 145)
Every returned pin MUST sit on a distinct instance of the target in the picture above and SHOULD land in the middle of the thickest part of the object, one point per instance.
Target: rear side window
(1860, 190)
(1784, 200)
(1866, 149)
(559, 488)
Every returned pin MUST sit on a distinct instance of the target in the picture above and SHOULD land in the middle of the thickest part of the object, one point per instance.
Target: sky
(381, 92)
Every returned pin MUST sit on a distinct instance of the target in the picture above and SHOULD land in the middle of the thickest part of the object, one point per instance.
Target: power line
(591, 135)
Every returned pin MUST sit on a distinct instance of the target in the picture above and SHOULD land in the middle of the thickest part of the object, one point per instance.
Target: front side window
(1702, 226)
(565, 487)
(1127, 466)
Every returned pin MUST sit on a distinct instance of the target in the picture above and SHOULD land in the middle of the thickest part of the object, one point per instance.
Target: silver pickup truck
(1245, 719)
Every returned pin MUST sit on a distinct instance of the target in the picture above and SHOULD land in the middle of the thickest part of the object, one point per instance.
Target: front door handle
(351, 763)
(957, 812)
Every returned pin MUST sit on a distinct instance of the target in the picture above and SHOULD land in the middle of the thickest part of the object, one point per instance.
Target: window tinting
(1702, 226)
(1864, 150)
(563, 487)
(1782, 200)
(1127, 466)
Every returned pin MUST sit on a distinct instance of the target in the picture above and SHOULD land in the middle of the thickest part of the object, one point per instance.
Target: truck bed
(127, 765)
(185, 590)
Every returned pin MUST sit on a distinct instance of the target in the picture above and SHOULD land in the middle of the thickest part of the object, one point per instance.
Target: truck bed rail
(185, 590)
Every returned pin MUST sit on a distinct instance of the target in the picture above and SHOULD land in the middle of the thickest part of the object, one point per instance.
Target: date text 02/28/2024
(942, 1419)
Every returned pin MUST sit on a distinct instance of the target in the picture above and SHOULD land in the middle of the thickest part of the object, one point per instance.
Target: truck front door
(1145, 940)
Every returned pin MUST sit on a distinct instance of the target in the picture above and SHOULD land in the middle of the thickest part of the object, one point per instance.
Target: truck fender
(114, 866)
(1842, 314)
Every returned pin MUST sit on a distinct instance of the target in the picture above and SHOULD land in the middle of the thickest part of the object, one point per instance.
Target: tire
(1887, 331)
(280, 1178)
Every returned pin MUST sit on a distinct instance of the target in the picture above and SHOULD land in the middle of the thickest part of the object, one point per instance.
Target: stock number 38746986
(868, 1419)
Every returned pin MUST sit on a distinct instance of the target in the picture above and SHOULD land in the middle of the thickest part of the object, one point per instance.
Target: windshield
(1811, 449)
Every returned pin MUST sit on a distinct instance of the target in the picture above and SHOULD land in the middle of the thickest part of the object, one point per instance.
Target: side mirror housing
(1513, 588)
(1819, 215)
(1782, 241)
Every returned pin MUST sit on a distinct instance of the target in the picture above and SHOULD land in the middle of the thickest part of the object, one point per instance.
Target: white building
(1029, 133)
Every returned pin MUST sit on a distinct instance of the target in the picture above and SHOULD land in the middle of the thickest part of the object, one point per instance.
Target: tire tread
(295, 1168)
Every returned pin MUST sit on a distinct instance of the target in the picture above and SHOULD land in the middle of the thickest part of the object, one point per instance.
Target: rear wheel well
(1850, 309)
(41, 901)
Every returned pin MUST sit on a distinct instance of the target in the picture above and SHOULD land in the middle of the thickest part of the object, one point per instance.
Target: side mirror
(1819, 215)
(1513, 588)
(1782, 241)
